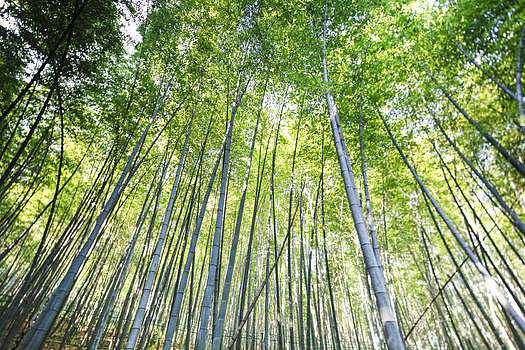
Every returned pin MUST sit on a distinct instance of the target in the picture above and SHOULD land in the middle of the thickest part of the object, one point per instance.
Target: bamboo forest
(262, 174)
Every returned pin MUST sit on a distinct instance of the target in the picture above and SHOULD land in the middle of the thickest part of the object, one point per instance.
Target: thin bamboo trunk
(217, 336)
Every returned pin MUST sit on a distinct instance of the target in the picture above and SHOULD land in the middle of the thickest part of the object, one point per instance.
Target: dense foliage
(262, 174)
